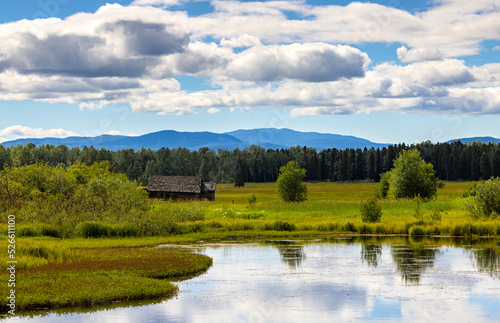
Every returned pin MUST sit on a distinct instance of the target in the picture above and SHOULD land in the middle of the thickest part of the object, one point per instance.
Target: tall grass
(330, 208)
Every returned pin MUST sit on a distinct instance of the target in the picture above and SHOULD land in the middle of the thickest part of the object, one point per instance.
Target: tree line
(451, 161)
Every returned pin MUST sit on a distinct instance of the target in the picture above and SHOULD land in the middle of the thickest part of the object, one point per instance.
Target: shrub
(371, 211)
(349, 227)
(436, 214)
(125, 230)
(485, 203)
(93, 230)
(283, 226)
(289, 183)
(410, 177)
(50, 231)
(252, 199)
(27, 232)
(379, 229)
(416, 231)
(365, 229)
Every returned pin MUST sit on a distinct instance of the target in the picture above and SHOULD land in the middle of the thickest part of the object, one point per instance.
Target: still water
(328, 280)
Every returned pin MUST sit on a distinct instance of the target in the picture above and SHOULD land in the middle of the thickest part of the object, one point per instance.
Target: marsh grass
(90, 276)
(331, 208)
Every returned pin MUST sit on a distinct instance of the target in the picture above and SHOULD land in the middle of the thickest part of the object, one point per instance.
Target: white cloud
(496, 48)
(313, 62)
(113, 133)
(159, 3)
(418, 55)
(132, 54)
(241, 41)
(18, 131)
(213, 111)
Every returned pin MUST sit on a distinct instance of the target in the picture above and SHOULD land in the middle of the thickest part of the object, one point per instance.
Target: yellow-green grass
(333, 208)
(91, 276)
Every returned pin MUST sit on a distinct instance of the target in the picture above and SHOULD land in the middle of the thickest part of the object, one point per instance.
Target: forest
(454, 161)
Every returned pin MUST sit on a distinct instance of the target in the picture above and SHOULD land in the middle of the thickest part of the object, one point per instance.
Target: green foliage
(410, 177)
(416, 231)
(371, 211)
(280, 226)
(62, 198)
(384, 184)
(349, 227)
(252, 199)
(289, 184)
(485, 200)
(437, 214)
(472, 190)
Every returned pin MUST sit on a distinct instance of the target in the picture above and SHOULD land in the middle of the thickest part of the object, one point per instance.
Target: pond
(372, 279)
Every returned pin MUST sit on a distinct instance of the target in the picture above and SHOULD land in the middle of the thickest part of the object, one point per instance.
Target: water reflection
(290, 251)
(370, 253)
(487, 260)
(412, 260)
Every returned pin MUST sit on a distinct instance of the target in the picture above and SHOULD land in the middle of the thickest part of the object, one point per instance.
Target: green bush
(485, 203)
(371, 211)
(283, 226)
(93, 230)
(349, 227)
(126, 230)
(365, 229)
(289, 183)
(50, 231)
(416, 231)
(252, 199)
(380, 229)
(410, 177)
(27, 232)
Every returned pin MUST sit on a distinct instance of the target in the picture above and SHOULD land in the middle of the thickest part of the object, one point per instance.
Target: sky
(390, 71)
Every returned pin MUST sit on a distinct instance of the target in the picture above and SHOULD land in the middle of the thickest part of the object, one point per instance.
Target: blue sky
(389, 71)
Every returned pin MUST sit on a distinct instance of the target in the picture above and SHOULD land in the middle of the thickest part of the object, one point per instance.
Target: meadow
(332, 208)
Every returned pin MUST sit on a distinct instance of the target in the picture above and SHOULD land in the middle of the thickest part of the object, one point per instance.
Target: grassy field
(333, 208)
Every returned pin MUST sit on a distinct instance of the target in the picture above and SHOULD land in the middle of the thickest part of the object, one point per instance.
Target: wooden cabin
(180, 187)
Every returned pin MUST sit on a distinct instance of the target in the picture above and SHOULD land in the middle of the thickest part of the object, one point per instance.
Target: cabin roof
(209, 186)
(177, 184)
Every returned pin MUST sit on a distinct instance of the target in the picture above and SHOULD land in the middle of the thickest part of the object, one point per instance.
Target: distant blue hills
(269, 138)
(481, 139)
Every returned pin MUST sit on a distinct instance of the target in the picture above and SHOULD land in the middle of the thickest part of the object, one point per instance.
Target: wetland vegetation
(87, 227)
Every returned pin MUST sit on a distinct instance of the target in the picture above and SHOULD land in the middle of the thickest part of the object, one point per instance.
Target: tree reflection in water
(413, 259)
(291, 253)
(487, 260)
(370, 253)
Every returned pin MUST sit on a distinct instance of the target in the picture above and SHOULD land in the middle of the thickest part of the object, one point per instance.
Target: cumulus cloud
(241, 41)
(253, 54)
(93, 56)
(315, 62)
(159, 3)
(418, 55)
(18, 131)
(213, 111)
(150, 39)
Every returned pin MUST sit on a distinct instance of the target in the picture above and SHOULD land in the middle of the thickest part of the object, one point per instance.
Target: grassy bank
(50, 274)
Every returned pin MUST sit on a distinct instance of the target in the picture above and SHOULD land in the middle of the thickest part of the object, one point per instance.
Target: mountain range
(269, 138)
